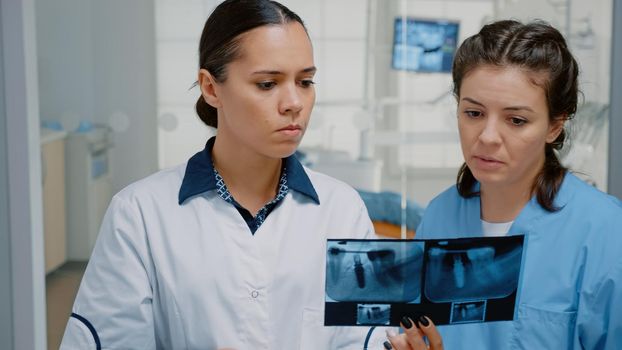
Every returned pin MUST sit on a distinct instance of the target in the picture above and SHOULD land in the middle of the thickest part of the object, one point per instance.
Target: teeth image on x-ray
(459, 280)
(359, 271)
(470, 274)
(373, 314)
(458, 271)
(481, 260)
(378, 271)
(468, 312)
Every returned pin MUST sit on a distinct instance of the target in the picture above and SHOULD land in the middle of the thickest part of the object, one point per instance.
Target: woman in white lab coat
(228, 250)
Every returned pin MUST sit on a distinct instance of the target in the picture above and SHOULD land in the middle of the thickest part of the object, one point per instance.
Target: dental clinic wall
(96, 62)
(587, 26)
(352, 70)
(416, 137)
(178, 26)
(428, 105)
(338, 31)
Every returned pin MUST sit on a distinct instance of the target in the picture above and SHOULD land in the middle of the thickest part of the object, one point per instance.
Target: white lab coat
(165, 275)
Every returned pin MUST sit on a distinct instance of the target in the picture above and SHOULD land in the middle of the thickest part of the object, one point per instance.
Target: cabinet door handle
(44, 170)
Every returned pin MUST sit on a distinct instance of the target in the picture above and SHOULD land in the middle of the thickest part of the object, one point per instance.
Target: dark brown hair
(535, 47)
(219, 43)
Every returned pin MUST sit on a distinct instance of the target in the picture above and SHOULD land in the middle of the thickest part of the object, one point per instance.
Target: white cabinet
(53, 177)
(89, 189)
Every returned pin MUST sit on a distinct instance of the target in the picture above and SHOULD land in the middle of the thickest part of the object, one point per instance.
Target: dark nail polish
(387, 345)
(406, 322)
(424, 321)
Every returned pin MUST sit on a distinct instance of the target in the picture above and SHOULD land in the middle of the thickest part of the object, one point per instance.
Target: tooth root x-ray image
(468, 312)
(459, 273)
(463, 280)
(378, 314)
(374, 271)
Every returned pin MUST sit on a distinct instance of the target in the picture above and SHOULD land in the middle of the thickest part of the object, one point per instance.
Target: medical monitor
(424, 45)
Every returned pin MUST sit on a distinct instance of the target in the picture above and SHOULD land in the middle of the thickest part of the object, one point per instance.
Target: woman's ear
(208, 87)
(556, 128)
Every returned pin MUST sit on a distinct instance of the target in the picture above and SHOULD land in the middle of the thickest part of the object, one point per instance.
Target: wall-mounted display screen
(424, 45)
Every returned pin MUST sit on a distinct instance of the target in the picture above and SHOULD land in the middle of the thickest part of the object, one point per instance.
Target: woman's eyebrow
(510, 108)
(468, 99)
(271, 72)
(518, 108)
(312, 69)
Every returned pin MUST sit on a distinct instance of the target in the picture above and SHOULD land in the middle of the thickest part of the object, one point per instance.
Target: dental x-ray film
(452, 281)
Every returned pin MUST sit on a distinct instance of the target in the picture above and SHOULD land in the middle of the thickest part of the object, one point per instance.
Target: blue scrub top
(570, 296)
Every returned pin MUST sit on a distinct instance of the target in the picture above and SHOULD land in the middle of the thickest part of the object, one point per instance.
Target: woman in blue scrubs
(516, 86)
(228, 250)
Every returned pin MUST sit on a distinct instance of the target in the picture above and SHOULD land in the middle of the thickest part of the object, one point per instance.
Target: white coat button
(254, 294)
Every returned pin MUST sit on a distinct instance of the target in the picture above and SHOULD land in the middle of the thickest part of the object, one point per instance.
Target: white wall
(424, 148)
(338, 31)
(178, 29)
(423, 117)
(587, 26)
(97, 63)
(343, 49)
(65, 59)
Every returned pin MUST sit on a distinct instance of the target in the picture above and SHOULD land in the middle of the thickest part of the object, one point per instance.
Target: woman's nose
(291, 101)
(490, 133)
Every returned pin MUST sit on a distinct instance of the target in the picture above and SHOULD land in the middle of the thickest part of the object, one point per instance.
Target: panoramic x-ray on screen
(377, 282)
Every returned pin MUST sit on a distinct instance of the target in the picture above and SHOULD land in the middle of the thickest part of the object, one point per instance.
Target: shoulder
(450, 198)
(436, 209)
(162, 186)
(582, 197)
(586, 215)
(330, 189)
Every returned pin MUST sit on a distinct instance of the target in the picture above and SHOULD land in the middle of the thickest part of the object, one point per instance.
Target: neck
(503, 204)
(252, 179)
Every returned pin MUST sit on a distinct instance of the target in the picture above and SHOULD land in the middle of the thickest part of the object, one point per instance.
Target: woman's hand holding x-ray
(414, 336)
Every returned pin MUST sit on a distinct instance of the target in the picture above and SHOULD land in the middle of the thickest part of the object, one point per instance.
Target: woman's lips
(487, 162)
(291, 130)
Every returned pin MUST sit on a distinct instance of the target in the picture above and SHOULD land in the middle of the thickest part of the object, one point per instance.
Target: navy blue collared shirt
(201, 176)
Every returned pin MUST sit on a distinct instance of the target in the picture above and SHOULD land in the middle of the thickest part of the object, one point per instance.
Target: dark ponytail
(538, 47)
(220, 40)
(207, 113)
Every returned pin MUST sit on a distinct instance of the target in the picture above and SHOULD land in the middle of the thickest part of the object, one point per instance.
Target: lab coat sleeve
(599, 325)
(353, 338)
(113, 308)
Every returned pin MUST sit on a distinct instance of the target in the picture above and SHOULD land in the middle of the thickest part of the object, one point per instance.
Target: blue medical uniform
(570, 296)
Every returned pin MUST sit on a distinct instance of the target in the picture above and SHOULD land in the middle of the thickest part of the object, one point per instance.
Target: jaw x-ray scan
(377, 282)
(386, 271)
(471, 272)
